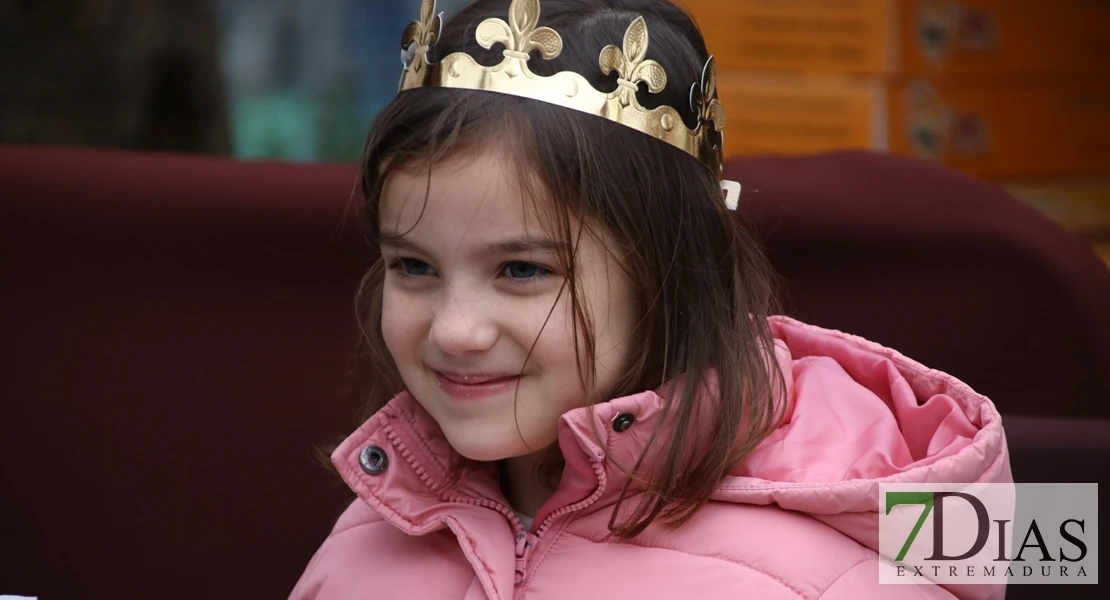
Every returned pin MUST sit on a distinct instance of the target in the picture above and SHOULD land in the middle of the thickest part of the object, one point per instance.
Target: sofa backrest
(948, 269)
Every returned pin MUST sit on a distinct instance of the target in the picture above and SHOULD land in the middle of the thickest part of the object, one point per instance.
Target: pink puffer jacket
(798, 520)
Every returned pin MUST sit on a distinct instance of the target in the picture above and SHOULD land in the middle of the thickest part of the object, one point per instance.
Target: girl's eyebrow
(392, 239)
(518, 245)
(527, 244)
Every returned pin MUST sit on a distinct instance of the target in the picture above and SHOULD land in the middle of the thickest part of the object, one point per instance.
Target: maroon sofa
(180, 333)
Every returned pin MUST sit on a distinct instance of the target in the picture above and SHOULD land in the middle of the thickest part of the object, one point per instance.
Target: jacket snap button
(623, 422)
(373, 460)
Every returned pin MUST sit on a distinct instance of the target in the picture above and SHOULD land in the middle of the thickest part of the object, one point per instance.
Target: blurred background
(277, 79)
(179, 316)
(1015, 91)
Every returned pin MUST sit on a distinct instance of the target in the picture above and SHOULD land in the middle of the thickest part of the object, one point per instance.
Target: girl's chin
(481, 449)
(485, 455)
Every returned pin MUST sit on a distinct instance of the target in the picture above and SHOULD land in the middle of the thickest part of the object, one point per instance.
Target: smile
(472, 386)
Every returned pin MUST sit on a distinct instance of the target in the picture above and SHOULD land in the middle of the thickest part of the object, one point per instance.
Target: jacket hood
(858, 415)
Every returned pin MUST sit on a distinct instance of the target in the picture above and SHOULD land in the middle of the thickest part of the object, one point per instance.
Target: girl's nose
(463, 325)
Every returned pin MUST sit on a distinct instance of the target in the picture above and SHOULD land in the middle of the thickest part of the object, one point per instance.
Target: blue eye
(414, 267)
(523, 270)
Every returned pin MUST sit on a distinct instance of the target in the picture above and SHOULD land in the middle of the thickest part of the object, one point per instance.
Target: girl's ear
(731, 191)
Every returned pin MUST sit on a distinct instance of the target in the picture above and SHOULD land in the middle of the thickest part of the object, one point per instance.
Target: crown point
(524, 15)
(636, 40)
(427, 10)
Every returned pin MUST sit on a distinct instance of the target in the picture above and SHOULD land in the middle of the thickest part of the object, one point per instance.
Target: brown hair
(702, 285)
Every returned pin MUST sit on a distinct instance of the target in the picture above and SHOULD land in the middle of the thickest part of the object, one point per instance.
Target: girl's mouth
(472, 386)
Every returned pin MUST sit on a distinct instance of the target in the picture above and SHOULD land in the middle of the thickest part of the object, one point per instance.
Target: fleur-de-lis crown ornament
(521, 35)
(630, 65)
(420, 36)
(703, 98)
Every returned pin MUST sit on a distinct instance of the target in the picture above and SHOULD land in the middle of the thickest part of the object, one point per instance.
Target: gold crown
(520, 36)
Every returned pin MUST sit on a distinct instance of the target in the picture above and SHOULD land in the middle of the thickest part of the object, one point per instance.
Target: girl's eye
(413, 267)
(523, 270)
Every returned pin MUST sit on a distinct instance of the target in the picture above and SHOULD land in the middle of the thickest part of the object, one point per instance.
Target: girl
(578, 391)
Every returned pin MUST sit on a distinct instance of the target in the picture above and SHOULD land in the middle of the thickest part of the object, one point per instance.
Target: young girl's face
(474, 310)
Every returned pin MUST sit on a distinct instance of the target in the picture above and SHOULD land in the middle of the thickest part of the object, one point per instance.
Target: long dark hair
(703, 287)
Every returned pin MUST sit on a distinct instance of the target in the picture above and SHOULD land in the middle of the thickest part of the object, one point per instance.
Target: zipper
(524, 541)
(602, 479)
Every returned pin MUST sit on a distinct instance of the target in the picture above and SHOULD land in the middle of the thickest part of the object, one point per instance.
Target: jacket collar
(410, 491)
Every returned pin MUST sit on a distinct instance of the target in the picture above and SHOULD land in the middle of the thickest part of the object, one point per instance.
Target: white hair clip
(732, 193)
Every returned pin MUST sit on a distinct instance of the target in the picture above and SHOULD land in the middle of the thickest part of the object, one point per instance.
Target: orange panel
(1013, 128)
(1003, 36)
(1006, 129)
(911, 37)
(853, 36)
(795, 114)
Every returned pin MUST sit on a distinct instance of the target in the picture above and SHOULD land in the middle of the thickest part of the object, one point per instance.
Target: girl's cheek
(401, 322)
(551, 329)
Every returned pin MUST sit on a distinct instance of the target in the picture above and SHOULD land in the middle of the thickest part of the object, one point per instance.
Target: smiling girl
(578, 388)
